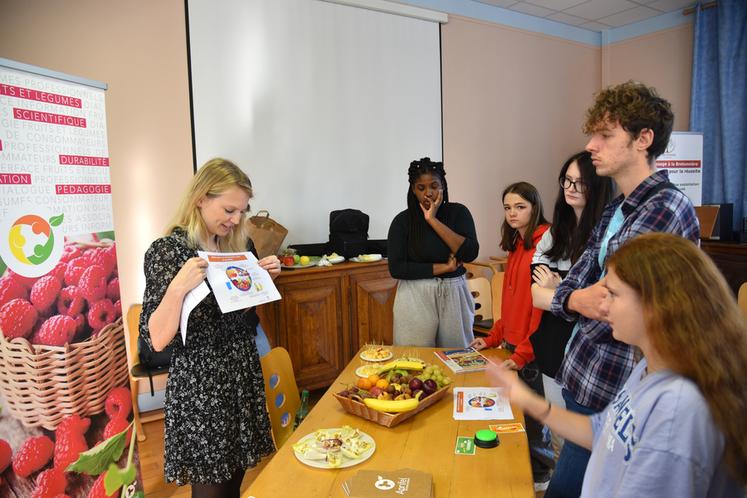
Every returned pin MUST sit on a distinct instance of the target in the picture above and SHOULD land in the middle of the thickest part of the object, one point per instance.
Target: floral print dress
(216, 420)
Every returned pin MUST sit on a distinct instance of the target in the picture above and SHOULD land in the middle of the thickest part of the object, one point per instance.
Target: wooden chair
(742, 298)
(140, 373)
(479, 287)
(496, 293)
(281, 393)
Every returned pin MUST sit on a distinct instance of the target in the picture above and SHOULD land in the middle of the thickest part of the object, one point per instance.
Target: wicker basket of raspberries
(62, 346)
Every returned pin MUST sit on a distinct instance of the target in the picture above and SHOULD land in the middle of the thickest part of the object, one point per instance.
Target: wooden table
(425, 442)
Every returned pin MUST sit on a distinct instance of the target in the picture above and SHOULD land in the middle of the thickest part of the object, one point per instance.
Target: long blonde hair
(694, 323)
(213, 179)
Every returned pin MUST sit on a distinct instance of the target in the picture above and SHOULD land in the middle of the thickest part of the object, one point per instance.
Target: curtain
(718, 103)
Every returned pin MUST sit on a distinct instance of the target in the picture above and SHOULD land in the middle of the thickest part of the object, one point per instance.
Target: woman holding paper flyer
(674, 428)
(216, 423)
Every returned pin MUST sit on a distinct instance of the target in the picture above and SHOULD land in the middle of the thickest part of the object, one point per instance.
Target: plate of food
(303, 262)
(335, 448)
(376, 354)
(366, 258)
(334, 258)
(366, 371)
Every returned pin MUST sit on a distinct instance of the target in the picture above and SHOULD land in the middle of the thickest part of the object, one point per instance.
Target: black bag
(154, 360)
(348, 232)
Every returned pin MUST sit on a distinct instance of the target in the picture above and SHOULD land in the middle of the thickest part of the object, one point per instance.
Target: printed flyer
(238, 281)
(64, 393)
(481, 403)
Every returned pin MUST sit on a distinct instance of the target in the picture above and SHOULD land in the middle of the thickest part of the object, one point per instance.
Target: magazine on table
(463, 360)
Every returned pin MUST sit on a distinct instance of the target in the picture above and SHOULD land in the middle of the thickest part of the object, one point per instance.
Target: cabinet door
(372, 296)
(312, 314)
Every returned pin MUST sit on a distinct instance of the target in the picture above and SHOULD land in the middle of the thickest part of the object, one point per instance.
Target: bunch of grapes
(434, 372)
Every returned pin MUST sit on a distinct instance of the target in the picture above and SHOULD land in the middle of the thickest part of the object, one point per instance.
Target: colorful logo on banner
(29, 246)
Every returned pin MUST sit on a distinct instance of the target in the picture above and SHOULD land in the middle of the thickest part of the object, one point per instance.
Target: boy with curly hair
(629, 126)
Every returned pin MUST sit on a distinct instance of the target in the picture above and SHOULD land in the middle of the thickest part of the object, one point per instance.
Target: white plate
(366, 371)
(370, 259)
(346, 462)
(385, 355)
(338, 259)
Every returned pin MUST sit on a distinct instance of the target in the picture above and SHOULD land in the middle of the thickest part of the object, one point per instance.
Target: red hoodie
(518, 317)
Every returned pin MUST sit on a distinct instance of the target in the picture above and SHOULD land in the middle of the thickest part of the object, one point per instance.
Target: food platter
(313, 260)
(350, 447)
(367, 370)
(366, 258)
(376, 354)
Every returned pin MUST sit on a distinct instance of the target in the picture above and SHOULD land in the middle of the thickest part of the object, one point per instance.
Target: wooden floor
(151, 466)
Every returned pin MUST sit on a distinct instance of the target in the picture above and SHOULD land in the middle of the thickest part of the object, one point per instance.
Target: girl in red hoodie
(522, 229)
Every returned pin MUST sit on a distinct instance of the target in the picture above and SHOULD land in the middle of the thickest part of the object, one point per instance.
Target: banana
(391, 406)
(401, 365)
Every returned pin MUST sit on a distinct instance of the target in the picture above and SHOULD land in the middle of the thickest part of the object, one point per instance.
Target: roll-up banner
(64, 394)
(683, 160)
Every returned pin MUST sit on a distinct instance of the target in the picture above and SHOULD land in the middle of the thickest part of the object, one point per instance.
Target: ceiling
(596, 15)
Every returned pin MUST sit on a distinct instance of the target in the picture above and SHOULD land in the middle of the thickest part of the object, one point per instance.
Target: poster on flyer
(683, 160)
(63, 357)
(238, 281)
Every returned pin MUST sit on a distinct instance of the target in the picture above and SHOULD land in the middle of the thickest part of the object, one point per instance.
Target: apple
(288, 260)
(296, 258)
(375, 391)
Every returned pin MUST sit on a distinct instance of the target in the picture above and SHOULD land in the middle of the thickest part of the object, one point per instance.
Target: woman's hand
(271, 264)
(190, 275)
(430, 211)
(452, 264)
(545, 278)
(478, 344)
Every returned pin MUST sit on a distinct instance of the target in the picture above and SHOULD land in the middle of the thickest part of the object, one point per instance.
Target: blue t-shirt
(657, 439)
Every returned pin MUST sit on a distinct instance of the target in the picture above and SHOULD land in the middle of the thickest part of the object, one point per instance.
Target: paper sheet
(191, 300)
(481, 403)
(238, 281)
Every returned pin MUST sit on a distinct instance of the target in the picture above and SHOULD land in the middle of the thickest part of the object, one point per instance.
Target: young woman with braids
(677, 426)
(428, 242)
(578, 207)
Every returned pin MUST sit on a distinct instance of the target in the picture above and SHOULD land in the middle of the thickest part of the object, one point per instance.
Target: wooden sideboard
(731, 259)
(327, 314)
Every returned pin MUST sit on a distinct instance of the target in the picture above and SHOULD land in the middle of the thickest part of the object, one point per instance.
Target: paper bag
(266, 233)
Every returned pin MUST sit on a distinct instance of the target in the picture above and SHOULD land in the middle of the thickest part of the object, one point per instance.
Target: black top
(403, 262)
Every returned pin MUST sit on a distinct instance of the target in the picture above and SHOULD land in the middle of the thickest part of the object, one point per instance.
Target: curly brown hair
(636, 107)
(695, 325)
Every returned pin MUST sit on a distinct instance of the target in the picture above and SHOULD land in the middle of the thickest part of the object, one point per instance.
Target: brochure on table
(481, 403)
(463, 360)
(238, 281)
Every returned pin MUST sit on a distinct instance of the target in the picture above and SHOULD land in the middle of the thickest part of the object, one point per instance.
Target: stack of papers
(377, 483)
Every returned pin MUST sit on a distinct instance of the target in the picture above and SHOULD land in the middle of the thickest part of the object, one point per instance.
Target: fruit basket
(388, 419)
(43, 384)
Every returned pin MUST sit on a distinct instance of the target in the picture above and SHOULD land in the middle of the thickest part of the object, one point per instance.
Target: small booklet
(481, 403)
(463, 360)
(402, 482)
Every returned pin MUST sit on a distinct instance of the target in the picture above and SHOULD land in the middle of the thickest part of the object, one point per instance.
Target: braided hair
(417, 220)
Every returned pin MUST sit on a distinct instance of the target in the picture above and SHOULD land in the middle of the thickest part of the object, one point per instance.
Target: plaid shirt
(596, 365)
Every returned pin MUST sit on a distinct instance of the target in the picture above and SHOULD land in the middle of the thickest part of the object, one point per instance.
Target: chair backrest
(479, 269)
(479, 287)
(133, 330)
(742, 298)
(281, 392)
(496, 293)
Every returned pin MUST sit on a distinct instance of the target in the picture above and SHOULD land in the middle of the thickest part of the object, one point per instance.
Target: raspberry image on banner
(33, 455)
(58, 271)
(70, 252)
(102, 257)
(71, 301)
(80, 323)
(11, 289)
(118, 308)
(5, 455)
(98, 490)
(44, 293)
(92, 283)
(50, 483)
(27, 282)
(115, 426)
(70, 440)
(118, 403)
(17, 318)
(100, 314)
(112, 289)
(57, 330)
(74, 270)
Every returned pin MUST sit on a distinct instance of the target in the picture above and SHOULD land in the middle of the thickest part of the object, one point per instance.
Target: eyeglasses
(567, 183)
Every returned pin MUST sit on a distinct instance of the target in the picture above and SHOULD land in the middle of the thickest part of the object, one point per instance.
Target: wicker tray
(43, 384)
(388, 419)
